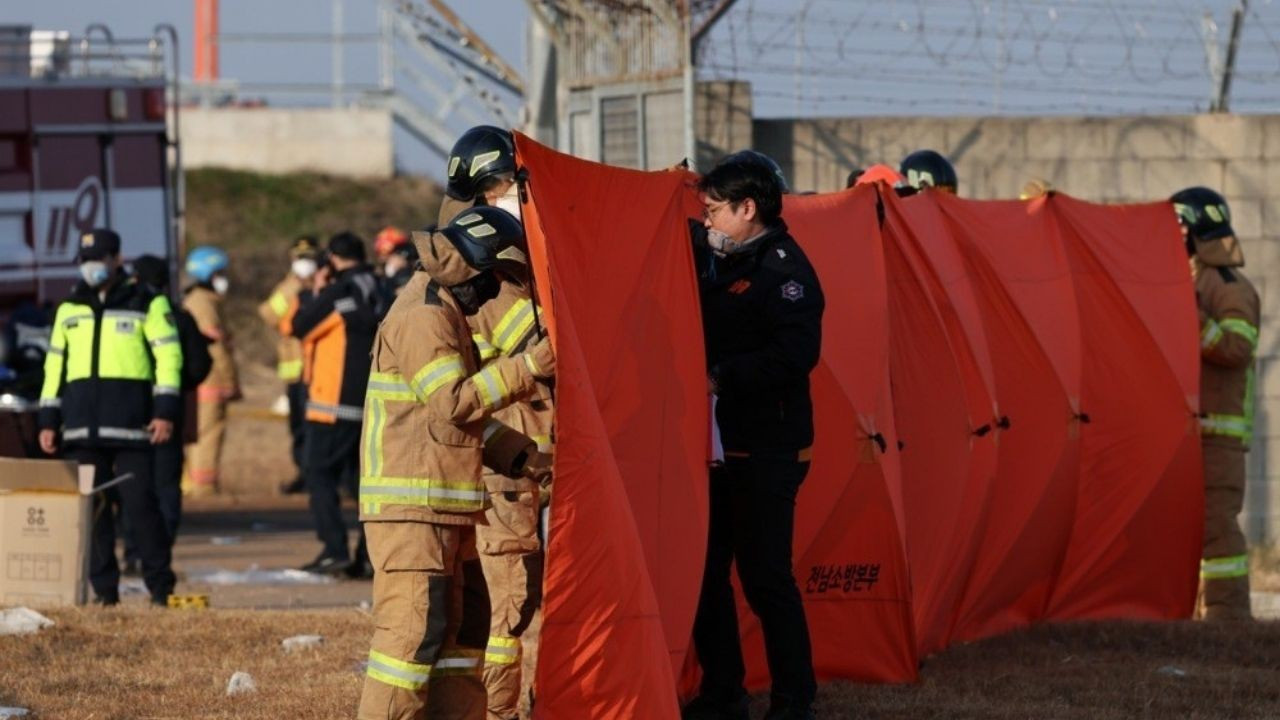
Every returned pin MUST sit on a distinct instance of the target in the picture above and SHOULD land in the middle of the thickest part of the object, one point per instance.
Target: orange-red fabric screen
(629, 513)
(1004, 414)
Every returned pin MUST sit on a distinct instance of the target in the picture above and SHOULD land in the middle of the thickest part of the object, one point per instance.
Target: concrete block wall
(354, 142)
(1114, 160)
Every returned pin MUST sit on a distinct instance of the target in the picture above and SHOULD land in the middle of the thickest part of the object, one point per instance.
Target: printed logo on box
(36, 525)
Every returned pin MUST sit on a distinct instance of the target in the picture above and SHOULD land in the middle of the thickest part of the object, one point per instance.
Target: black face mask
(477, 291)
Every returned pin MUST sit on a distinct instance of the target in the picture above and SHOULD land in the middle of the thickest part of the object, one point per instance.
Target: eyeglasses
(709, 212)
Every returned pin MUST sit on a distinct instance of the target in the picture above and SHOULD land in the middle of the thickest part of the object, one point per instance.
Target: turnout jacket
(206, 306)
(505, 327)
(428, 426)
(762, 320)
(273, 311)
(337, 329)
(1229, 317)
(114, 364)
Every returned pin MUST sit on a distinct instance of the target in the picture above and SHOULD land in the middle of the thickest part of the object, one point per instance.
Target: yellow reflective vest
(114, 364)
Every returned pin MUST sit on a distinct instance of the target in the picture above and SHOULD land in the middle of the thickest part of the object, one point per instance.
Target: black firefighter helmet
(1203, 212)
(482, 152)
(489, 238)
(928, 168)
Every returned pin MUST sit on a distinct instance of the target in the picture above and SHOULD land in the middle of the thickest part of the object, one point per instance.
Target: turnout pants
(137, 501)
(752, 518)
(1224, 570)
(431, 618)
(211, 428)
(333, 462)
(511, 557)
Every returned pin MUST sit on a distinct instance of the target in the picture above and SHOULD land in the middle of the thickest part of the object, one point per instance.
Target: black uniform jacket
(762, 320)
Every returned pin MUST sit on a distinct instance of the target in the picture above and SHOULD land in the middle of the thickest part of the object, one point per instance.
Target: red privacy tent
(1004, 416)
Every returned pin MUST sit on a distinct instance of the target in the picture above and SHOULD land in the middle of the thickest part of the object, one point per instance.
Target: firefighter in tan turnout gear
(1229, 312)
(483, 172)
(428, 428)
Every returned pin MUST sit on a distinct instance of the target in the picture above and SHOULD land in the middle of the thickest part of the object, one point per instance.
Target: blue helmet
(203, 262)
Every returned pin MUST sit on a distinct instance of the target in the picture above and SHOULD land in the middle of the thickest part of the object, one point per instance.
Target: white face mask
(304, 268)
(94, 272)
(220, 285)
(393, 265)
(510, 202)
(721, 243)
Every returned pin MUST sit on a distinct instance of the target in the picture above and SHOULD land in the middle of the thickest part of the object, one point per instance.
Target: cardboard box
(44, 532)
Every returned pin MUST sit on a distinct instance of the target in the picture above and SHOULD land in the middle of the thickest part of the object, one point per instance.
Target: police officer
(111, 384)
(428, 427)
(929, 169)
(1229, 314)
(509, 548)
(762, 314)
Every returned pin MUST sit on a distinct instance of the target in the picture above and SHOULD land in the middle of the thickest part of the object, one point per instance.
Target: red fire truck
(88, 138)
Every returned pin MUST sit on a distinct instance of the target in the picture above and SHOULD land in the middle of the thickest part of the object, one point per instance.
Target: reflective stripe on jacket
(427, 409)
(273, 311)
(1229, 313)
(113, 365)
(337, 329)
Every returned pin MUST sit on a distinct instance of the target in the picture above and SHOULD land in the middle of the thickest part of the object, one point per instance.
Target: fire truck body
(85, 142)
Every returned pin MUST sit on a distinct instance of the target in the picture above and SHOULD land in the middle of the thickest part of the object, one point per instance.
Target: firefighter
(428, 429)
(337, 329)
(207, 266)
(510, 551)
(304, 254)
(1229, 314)
(762, 314)
(929, 169)
(111, 384)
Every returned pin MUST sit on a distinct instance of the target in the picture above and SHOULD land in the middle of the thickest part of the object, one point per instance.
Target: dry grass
(137, 663)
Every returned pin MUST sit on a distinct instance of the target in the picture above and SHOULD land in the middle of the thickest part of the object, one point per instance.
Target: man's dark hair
(152, 270)
(347, 245)
(735, 181)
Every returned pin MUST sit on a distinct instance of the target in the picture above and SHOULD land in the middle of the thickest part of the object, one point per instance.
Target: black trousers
(753, 504)
(296, 392)
(168, 483)
(136, 499)
(333, 462)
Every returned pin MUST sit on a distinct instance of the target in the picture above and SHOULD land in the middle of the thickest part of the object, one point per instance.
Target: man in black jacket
(337, 329)
(152, 273)
(762, 318)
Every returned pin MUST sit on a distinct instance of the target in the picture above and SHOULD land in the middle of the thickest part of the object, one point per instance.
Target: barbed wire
(1002, 56)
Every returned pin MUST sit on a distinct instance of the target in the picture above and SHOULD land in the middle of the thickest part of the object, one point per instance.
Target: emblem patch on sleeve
(792, 291)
